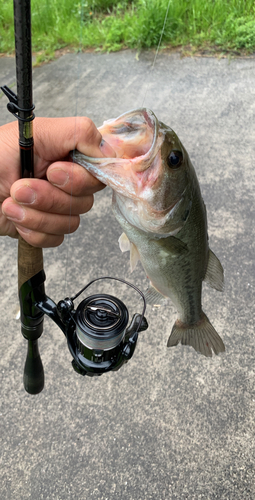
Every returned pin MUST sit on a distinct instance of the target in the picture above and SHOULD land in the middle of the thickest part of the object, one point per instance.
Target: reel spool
(101, 322)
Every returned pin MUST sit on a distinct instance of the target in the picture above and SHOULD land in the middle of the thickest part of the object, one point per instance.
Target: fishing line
(157, 51)
(78, 78)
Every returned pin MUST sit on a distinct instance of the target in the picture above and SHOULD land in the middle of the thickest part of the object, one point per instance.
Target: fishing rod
(97, 332)
(30, 259)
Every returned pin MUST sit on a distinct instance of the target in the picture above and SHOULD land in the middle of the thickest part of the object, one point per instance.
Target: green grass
(220, 25)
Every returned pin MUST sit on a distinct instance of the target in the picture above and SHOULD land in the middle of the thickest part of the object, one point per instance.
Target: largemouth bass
(158, 203)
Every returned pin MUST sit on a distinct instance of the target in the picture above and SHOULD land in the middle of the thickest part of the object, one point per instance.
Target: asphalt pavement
(171, 424)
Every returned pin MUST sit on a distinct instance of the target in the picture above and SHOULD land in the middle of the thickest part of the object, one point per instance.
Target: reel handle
(33, 377)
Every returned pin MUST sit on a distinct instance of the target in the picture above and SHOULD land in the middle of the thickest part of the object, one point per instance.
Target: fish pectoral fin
(173, 245)
(125, 246)
(153, 297)
(201, 336)
(124, 243)
(214, 275)
(134, 256)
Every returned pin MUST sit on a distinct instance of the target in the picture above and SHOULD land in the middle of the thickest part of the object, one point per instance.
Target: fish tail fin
(201, 336)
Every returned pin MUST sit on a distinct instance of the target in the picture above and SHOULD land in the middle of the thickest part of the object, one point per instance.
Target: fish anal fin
(134, 256)
(124, 243)
(201, 336)
(153, 297)
(214, 275)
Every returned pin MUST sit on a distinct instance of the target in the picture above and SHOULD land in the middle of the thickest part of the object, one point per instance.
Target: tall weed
(113, 24)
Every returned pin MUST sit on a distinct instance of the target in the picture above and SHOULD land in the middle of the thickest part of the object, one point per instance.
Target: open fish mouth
(139, 171)
(134, 136)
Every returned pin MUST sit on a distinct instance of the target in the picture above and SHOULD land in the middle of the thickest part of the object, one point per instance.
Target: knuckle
(51, 203)
(38, 223)
(74, 223)
(86, 127)
(88, 203)
(53, 242)
(43, 240)
(32, 238)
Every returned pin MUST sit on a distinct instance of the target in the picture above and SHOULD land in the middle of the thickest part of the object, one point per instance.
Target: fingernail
(13, 212)
(25, 195)
(106, 149)
(23, 230)
(58, 177)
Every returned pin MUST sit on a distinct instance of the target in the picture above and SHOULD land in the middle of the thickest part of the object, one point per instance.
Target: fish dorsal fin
(134, 256)
(124, 243)
(125, 246)
(214, 275)
(153, 297)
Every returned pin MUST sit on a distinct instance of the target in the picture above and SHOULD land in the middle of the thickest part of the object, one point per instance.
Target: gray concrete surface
(171, 424)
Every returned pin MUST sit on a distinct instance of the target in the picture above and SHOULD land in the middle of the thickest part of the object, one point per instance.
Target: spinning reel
(97, 332)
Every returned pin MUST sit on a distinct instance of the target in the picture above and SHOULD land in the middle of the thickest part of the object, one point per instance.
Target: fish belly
(173, 267)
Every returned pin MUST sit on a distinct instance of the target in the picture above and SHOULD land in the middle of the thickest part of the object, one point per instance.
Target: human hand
(43, 209)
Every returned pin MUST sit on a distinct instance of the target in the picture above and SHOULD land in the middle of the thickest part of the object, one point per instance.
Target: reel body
(97, 333)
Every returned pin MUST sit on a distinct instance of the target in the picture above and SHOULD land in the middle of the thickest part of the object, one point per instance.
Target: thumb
(56, 137)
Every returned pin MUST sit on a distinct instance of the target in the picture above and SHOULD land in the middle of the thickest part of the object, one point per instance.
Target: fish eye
(174, 159)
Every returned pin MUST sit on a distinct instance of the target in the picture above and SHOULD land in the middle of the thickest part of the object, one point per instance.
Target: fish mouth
(134, 136)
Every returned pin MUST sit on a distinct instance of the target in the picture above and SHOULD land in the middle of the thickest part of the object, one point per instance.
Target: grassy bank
(220, 25)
